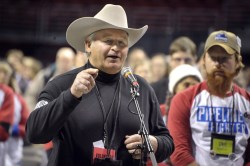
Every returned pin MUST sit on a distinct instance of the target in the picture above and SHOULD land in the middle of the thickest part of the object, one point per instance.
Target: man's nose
(218, 63)
(115, 47)
(182, 61)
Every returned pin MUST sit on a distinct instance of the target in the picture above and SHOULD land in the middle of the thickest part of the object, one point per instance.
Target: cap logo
(221, 36)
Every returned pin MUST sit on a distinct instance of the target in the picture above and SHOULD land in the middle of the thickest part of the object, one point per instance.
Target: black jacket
(161, 89)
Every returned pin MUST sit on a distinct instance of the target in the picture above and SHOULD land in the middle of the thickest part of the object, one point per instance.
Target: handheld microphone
(127, 73)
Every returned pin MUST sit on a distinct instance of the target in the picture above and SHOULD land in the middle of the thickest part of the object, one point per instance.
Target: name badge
(222, 145)
(99, 152)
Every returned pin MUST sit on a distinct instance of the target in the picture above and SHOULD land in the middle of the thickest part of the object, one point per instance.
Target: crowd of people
(80, 109)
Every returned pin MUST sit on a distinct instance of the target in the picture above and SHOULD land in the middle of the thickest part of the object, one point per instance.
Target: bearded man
(210, 121)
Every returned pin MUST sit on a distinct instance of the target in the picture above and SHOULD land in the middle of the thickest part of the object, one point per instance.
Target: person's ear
(239, 61)
(238, 68)
(87, 46)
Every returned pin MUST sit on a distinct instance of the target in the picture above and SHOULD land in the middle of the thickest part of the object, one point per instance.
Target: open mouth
(113, 56)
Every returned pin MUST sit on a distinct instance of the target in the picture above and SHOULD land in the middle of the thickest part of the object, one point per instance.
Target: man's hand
(133, 143)
(84, 82)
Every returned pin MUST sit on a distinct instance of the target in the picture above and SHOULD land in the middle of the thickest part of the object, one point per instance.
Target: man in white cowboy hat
(87, 112)
(210, 122)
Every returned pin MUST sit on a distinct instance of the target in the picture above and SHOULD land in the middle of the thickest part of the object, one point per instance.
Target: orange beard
(219, 85)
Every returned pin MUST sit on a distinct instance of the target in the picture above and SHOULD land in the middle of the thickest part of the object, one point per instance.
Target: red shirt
(6, 111)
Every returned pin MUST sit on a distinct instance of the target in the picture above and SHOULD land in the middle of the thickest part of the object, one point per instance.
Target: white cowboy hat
(111, 16)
